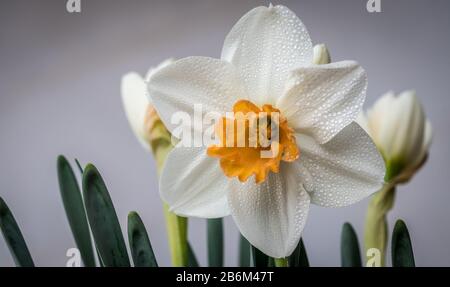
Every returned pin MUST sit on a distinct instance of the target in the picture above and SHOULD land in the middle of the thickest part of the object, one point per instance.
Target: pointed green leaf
(192, 259)
(100, 262)
(259, 259)
(140, 246)
(13, 237)
(244, 252)
(350, 254)
(299, 257)
(79, 166)
(80, 169)
(402, 252)
(75, 212)
(103, 220)
(215, 242)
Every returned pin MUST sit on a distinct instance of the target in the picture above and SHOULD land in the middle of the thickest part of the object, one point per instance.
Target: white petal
(163, 64)
(271, 215)
(380, 119)
(266, 44)
(344, 170)
(322, 99)
(362, 121)
(135, 102)
(378, 113)
(409, 127)
(193, 184)
(194, 80)
(427, 137)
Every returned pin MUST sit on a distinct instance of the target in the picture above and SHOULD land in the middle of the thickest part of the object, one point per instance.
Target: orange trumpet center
(253, 141)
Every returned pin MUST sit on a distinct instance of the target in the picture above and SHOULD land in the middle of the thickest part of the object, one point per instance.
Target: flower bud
(321, 55)
(136, 102)
(399, 128)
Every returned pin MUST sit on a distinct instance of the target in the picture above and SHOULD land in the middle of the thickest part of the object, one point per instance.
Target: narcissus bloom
(399, 128)
(326, 158)
(136, 102)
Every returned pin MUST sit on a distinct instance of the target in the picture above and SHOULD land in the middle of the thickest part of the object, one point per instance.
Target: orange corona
(241, 152)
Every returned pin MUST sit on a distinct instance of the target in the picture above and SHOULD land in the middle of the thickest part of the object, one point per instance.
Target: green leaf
(402, 252)
(350, 254)
(103, 220)
(80, 169)
(299, 257)
(13, 237)
(79, 166)
(192, 259)
(244, 252)
(141, 248)
(259, 259)
(75, 212)
(215, 242)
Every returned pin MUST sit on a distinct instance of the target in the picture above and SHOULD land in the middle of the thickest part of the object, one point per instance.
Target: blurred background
(60, 94)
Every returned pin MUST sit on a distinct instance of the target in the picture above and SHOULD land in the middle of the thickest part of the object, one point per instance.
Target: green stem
(177, 226)
(376, 226)
(281, 262)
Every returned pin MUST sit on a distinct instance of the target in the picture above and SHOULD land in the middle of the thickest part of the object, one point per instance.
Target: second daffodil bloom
(399, 128)
(326, 158)
(136, 102)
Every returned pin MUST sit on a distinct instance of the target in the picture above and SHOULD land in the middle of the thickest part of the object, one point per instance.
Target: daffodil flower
(136, 102)
(327, 159)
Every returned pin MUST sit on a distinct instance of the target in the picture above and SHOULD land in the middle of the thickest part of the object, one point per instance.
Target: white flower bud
(321, 55)
(136, 102)
(399, 128)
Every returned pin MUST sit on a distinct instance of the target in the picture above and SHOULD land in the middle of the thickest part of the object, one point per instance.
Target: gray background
(60, 93)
